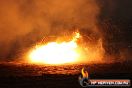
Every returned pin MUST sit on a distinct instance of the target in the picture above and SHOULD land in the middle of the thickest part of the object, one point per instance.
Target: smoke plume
(23, 22)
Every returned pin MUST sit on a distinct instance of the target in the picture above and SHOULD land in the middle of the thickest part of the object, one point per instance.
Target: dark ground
(33, 76)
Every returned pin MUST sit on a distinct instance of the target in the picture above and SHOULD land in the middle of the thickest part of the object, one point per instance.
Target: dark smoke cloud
(23, 22)
(116, 24)
(117, 9)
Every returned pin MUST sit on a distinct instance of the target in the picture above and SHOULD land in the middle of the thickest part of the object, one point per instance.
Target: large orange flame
(65, 50)
(56, 53)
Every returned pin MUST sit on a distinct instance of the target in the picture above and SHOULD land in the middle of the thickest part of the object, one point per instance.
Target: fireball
(56, 53)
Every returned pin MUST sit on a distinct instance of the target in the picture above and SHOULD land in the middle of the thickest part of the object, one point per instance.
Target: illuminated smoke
(25, 22)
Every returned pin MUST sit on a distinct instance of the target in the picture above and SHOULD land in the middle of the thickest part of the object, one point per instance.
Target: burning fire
(56, 53)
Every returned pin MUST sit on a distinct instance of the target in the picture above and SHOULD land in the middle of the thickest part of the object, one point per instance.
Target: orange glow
(73, 51)
(56, 53)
